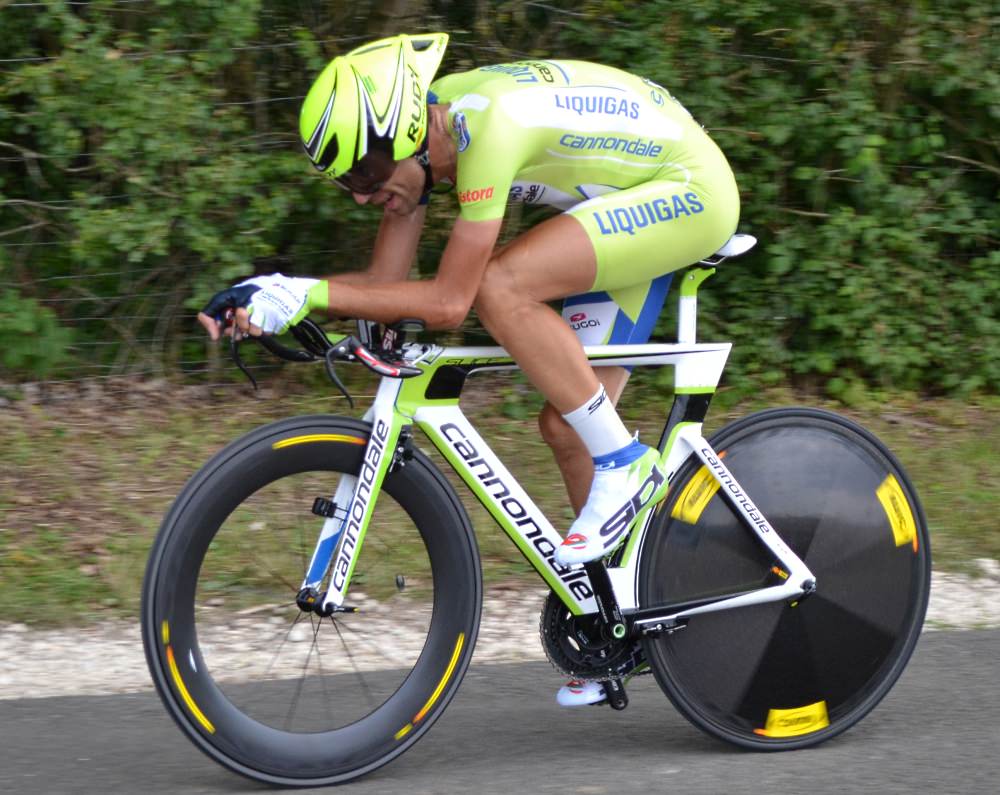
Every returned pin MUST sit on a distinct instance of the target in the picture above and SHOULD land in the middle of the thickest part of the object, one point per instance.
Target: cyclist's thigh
(619, 317)
(657, 227)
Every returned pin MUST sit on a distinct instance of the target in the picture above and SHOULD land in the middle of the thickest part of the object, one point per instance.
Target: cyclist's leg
(622, 317)
(618, 240)
(570, 453)
(545, 263)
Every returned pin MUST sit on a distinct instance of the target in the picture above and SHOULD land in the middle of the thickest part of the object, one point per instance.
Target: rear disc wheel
(778, 676)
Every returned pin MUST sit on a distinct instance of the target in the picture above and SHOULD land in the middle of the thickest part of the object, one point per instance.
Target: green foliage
(863, 139)
(31, 339)
(151, 156)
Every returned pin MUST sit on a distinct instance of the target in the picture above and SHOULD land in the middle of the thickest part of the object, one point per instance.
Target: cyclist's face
(368, 175)
(396, 190)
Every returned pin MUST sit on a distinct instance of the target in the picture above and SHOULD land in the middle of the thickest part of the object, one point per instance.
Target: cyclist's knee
(495, 292)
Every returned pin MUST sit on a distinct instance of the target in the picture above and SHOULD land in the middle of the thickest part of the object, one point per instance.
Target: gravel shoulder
(108, 658)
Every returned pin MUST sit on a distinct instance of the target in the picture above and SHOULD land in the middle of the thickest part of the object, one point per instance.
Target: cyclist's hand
(264, 304)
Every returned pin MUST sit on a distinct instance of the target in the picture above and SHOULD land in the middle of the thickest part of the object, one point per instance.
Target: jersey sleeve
(488, 158)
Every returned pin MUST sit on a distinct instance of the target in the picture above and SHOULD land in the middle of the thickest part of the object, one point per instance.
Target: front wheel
(779, 676)
(284, 696)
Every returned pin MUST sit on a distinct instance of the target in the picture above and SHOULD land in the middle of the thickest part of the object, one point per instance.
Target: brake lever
(332, 374)
(234, 348)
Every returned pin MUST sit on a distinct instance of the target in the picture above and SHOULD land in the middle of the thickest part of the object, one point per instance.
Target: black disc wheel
(285, 695)
(781, 676)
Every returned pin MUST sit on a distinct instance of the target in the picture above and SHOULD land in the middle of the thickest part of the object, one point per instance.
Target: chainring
(582, 646)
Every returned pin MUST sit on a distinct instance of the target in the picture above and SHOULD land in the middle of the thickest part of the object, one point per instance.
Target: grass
(84, 483)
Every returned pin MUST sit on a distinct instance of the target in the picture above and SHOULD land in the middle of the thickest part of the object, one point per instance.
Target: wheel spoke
(322, 676)
(300, 682)
(357, 671)
(228, 566)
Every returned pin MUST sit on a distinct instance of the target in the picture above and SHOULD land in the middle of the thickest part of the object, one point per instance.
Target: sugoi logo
(579, 320)
(476, 195)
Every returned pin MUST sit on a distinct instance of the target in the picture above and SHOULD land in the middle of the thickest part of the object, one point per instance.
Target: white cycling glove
(273, 302)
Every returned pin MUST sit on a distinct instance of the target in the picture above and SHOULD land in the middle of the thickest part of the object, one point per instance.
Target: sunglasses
(369, 174)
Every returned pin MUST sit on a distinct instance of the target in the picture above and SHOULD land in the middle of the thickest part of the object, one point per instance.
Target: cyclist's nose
(362, 198)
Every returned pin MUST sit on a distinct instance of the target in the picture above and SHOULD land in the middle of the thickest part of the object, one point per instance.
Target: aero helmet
(374, 99)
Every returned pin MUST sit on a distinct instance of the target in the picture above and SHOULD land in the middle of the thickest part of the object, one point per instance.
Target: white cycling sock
(599, 426)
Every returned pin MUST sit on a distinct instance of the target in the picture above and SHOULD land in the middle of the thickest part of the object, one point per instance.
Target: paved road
(936, 732)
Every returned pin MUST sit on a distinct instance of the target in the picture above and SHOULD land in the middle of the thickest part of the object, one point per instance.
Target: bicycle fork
(347, 516)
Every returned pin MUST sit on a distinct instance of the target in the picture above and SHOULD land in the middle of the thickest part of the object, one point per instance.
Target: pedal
(614, 689)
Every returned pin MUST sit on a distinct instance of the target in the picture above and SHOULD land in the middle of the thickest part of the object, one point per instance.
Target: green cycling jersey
(562, 132)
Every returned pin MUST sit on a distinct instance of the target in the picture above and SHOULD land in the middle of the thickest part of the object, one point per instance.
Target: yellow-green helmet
(373, 98)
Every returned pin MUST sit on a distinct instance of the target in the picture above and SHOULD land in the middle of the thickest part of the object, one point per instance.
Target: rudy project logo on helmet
(418, 112)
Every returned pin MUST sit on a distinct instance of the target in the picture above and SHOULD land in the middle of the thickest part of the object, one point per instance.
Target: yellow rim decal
(793, 722)
(904, 529)
(444, 679)
(317, 437)
(696, 496)
(165, 631)
(404, 731)
(182, 689)
(438, 690)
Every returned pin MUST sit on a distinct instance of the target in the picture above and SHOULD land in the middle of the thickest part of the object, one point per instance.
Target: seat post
(687, 314)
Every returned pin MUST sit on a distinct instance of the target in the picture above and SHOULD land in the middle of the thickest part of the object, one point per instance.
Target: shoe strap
(621, 458)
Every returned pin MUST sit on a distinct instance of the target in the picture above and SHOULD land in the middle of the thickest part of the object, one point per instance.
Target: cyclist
(644, 191)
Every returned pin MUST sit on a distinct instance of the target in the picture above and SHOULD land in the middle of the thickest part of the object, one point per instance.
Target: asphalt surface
(937, 732)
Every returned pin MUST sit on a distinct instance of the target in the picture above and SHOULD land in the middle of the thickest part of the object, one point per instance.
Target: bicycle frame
(430, 401)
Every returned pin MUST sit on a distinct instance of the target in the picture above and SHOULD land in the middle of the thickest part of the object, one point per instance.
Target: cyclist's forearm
(394, 251)
(442, 302)
(389, 302)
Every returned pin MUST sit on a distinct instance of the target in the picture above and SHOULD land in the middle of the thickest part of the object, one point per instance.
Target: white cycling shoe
(626, 485)
(579, 694)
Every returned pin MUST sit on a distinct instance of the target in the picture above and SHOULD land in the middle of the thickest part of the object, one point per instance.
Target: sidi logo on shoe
(623, 518)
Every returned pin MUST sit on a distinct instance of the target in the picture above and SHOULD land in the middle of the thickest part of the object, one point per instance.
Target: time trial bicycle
(776, 593)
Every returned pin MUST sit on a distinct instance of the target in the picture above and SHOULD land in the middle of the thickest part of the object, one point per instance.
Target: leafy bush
(31, 340)
(153, 157)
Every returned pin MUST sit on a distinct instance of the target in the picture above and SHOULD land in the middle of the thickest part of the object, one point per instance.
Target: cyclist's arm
(441, 302)
(394, 250)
